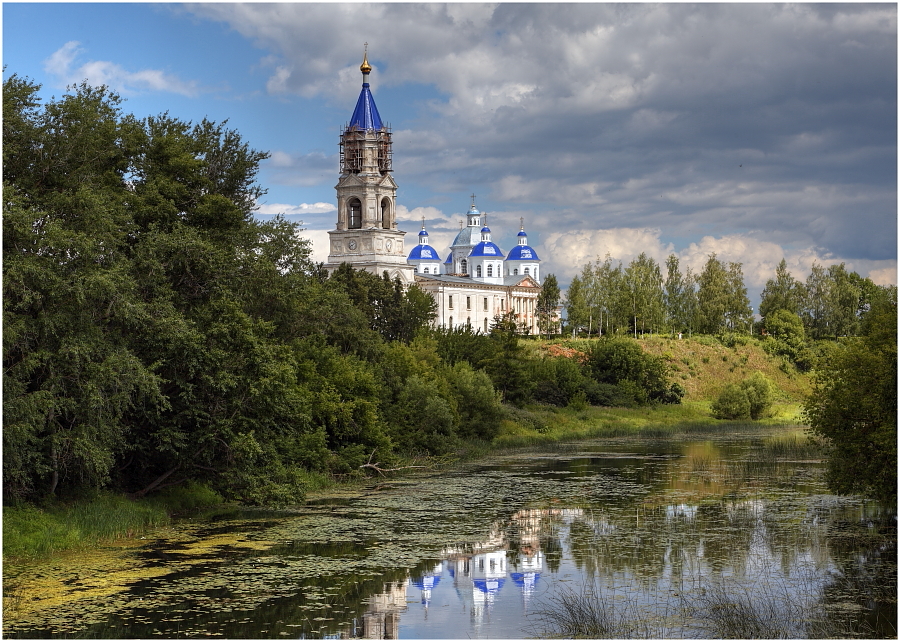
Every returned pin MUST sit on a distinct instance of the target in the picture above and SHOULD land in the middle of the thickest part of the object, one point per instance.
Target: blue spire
(365, 116)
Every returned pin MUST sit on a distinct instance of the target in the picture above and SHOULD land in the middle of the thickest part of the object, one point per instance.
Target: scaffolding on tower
(353, 142)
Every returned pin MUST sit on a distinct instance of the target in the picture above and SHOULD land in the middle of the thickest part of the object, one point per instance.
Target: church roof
(365, 116)
(467, 237)
(486, 248)
(522, 253)
(510, 280)
(424, 253)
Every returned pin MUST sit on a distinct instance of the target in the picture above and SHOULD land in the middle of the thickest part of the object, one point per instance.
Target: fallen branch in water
(381, 471)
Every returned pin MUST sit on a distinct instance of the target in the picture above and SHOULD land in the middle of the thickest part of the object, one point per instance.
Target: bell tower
(366, 234)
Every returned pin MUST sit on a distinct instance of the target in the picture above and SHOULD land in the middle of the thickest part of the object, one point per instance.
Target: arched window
(451, 323)
(478, 271)
(465, 266)
(526, 270)
(469, 321)
(485, 325)
(355, 214)
(490, 270)
(425, 270)
(516, 272)
(386, 213)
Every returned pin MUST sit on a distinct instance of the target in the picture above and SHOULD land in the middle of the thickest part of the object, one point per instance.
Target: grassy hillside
(704, 366)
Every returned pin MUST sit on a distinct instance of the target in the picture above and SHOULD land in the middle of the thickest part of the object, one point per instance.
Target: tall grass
(720, 609)
(30, 532)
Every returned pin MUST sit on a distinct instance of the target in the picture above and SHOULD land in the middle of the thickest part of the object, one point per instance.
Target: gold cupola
(365, 67)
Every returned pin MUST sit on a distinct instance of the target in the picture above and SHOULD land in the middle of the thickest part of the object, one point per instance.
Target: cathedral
(474, 284)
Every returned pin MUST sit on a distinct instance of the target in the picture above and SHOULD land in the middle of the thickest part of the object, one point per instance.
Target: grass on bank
(31, 532)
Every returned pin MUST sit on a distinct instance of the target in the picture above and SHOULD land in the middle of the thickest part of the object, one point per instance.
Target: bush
(732, 403)
(478, 403)
(760, 392)
(606, 394)
(621, 362)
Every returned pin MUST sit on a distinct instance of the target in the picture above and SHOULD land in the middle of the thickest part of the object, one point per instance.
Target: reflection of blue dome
(486, 248)
(490, 586)
(426, 582)
(424, 253)
(522, 253)
(520, 578)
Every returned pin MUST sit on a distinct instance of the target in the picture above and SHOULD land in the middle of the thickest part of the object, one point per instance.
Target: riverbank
(34, 533)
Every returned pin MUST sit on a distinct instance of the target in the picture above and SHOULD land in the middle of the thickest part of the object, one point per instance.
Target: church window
(526, 270)
(469, 321)
(502, 304)
(451, 321)
(485, 304)
(465, 266)
(516, 272)
(355, 214)
(490, 270)
(386, 213)
(485, 325)
(426, 270)
(450, 303)
(468, 303)
(478, 271)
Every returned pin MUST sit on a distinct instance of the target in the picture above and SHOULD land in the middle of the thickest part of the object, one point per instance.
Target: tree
(738, 313)
(712, 296)
(784, 292)
(643, 281)
(842, 304)
(547, 302)
(854, 406)
(674, 297)
(576, 305)
(815, 303)
(507, 366)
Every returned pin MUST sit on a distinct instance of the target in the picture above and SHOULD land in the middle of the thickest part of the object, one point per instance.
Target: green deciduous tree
(854, 406)
(547, 302)
(576, 306)
(783, 292)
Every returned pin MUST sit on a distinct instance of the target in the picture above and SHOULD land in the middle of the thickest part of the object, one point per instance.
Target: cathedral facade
(475, 283)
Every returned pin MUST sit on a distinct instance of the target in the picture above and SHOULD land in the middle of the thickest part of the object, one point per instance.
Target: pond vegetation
(692, 535)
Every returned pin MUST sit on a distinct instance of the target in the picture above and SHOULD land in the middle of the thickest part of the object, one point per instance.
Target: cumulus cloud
(273, 209)
(61, 64)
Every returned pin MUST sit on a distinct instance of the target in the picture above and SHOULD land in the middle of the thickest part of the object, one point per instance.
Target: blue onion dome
(449, 260)
(424, 253)
(522, 253)
(486, 248)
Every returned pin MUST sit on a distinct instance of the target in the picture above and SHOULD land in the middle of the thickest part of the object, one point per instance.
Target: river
(637, 537)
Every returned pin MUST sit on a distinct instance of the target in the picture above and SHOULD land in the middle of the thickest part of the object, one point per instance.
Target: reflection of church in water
(474, 284)
(510, 560)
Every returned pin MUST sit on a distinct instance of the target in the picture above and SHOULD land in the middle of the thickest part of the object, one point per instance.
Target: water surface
(480, 551)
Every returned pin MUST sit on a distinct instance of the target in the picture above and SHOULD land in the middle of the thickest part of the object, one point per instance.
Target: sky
(755, 131)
